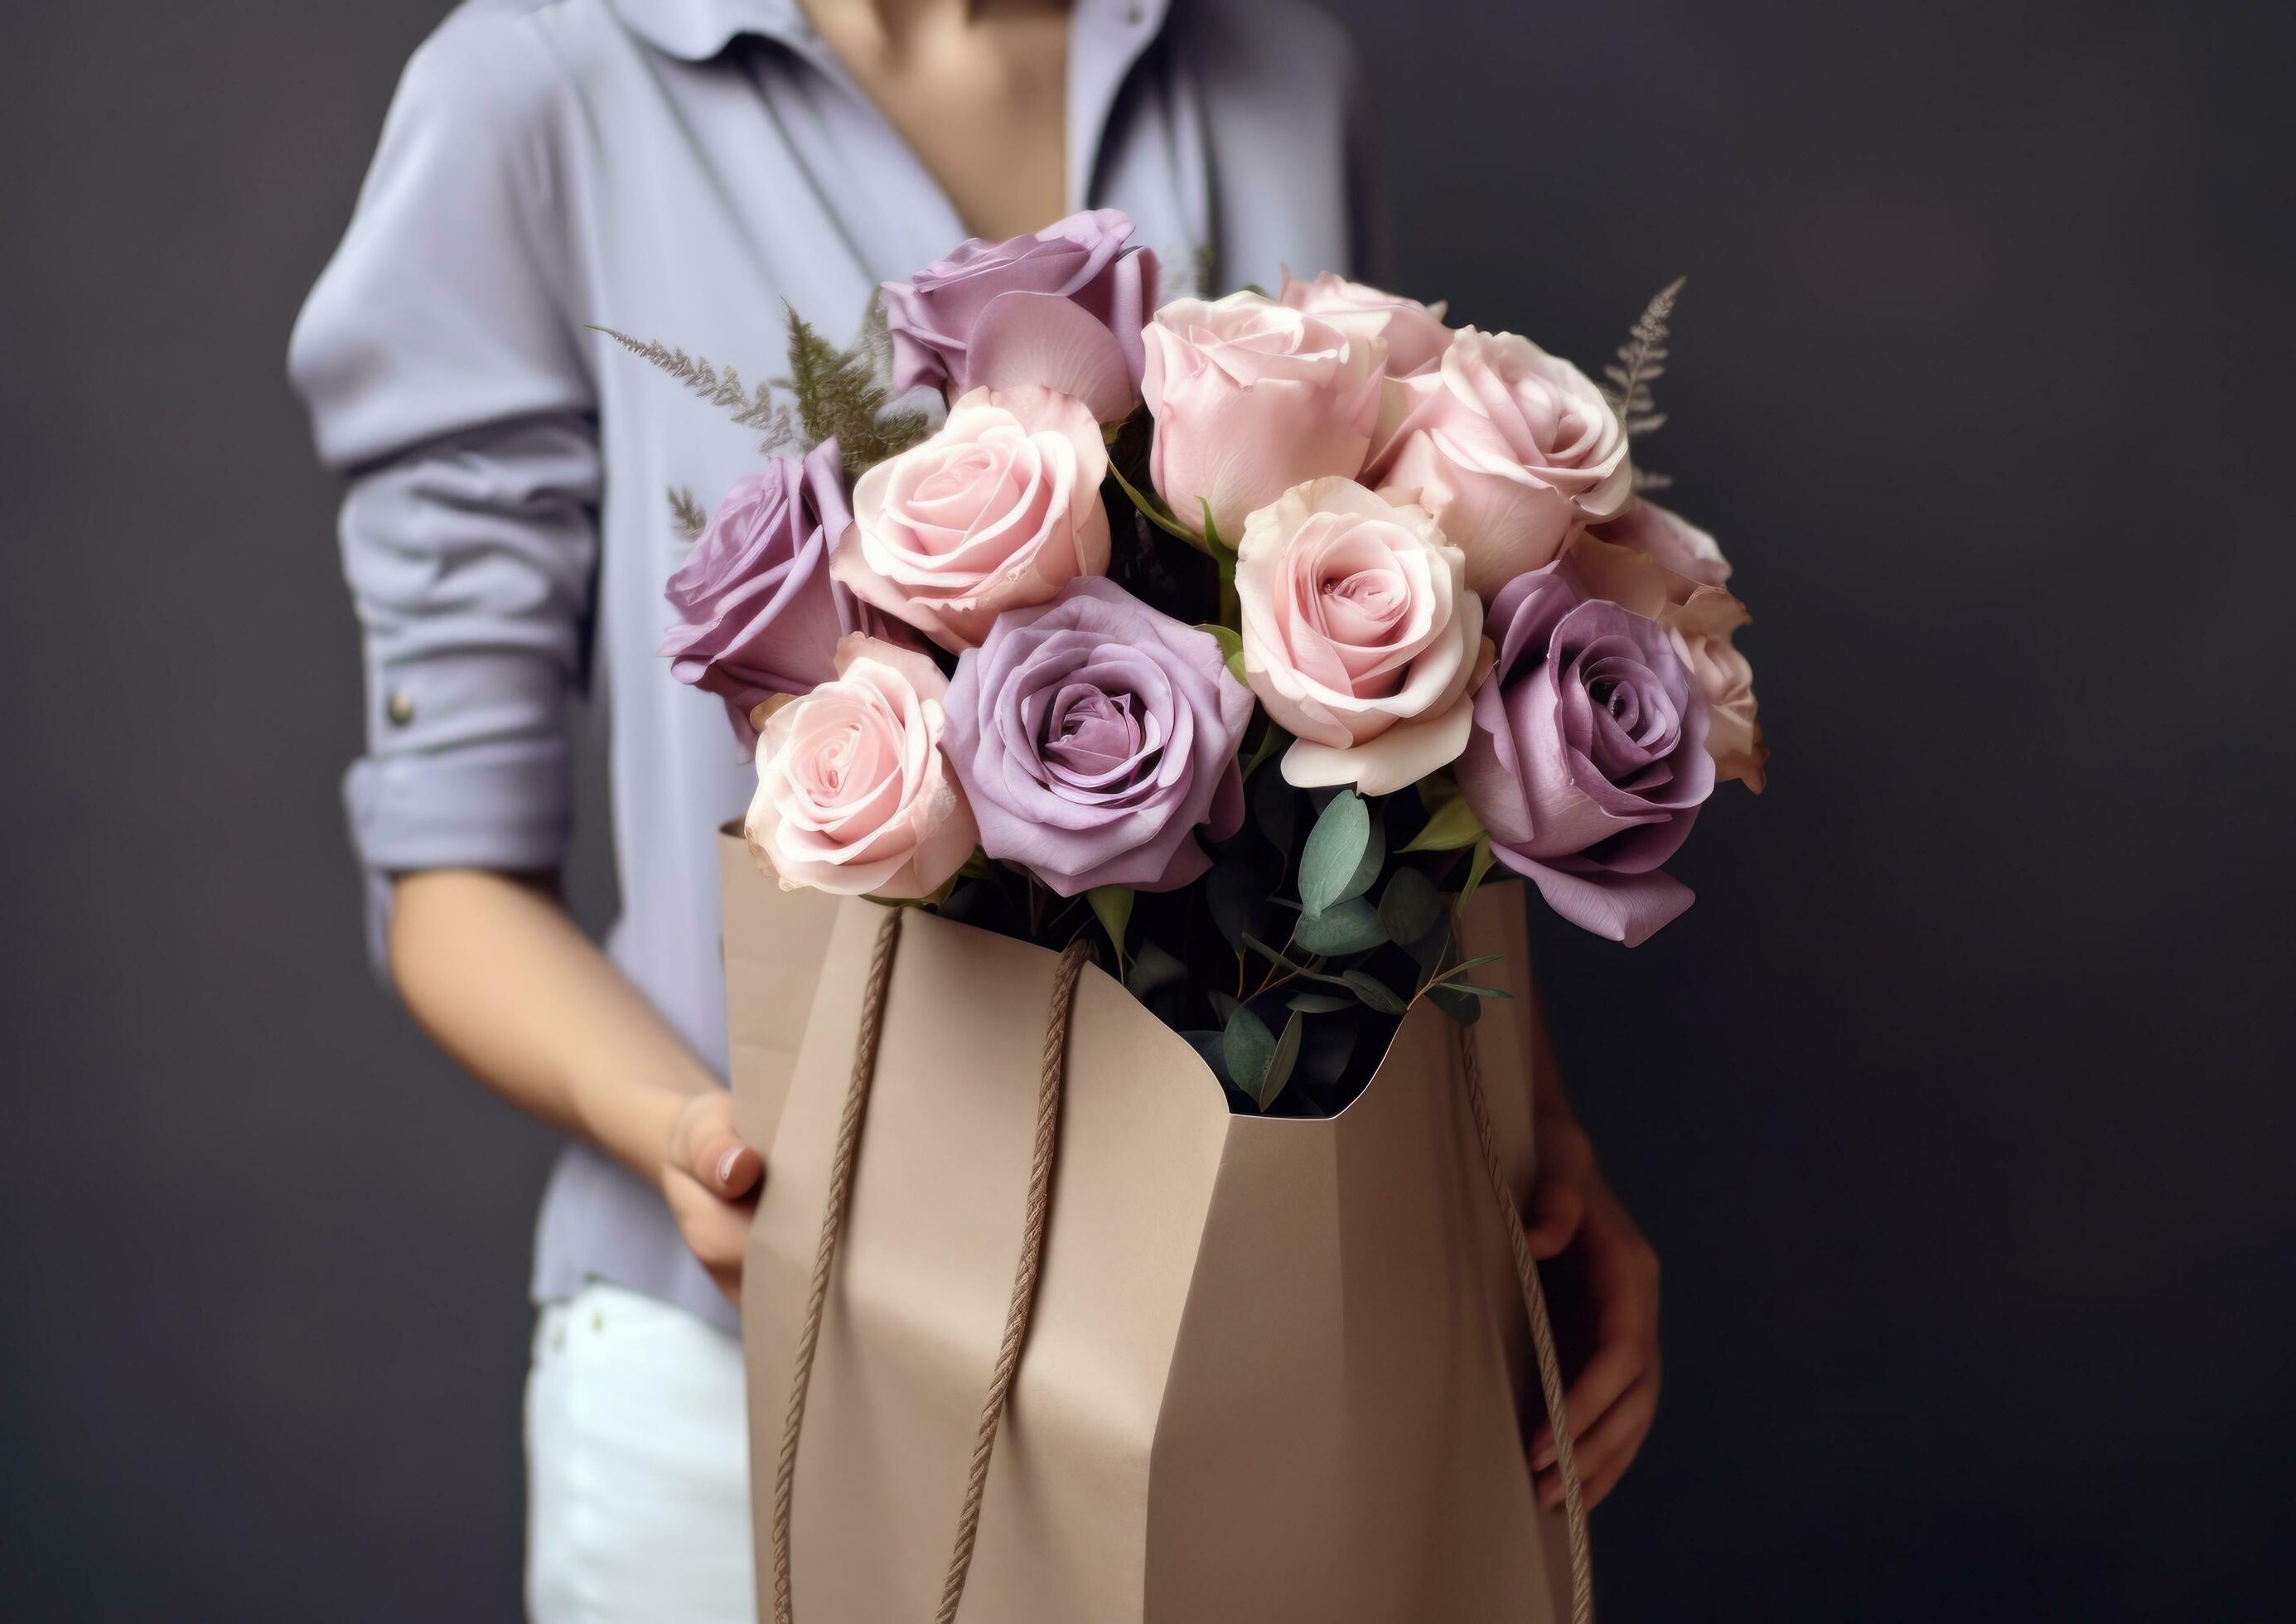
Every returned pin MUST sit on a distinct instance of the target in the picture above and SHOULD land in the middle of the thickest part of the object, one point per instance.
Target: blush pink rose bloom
(1510, 448)
(1414, 332)
(1359, 636)
(1701, 617)
(1251, 398)
(999, 510)
(854, 795)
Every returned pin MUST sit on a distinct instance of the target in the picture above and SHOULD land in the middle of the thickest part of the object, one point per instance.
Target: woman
(678, 168)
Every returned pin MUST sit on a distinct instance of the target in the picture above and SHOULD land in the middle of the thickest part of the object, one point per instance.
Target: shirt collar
(696, 30)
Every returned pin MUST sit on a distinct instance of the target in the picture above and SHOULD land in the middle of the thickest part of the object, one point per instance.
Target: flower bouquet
(1234, 645)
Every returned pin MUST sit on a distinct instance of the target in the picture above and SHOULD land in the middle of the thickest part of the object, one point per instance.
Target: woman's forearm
(501, 977)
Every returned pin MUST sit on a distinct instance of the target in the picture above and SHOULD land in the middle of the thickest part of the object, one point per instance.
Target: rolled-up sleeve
(443, 378)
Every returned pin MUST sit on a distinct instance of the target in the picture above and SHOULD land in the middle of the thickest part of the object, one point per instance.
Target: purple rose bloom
(757, 613)
(1095, 738)
(1587, 762)
(1063, 308)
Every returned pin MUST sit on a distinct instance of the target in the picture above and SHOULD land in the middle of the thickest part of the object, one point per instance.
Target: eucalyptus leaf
(1376, 993)
(1409, 906)
(1450, 825)
(1318, 1003)
(1374, 858)
(1281, 1063)
(1428, 950)
(1224, 1004)
(1210, 1047)
(1152, 970)
(1249, 1047)
(1236, 895)
(1347, 927)
(1335, 853)
(1112, 906)
(1472, 990)
(1465, 964)
(1324, 1053)
(1274, 807)
(1463, 1007)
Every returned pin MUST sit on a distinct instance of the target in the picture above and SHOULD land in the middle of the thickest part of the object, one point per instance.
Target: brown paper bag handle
(1049, 1087)
(1542, 1332)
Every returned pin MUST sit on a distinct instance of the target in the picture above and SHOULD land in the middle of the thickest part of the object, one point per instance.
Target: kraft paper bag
(1277, 1370)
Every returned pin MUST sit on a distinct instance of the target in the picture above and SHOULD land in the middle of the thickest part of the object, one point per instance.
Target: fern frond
(687, 514)
(838, 393)
(1641, 362)
(751, 409)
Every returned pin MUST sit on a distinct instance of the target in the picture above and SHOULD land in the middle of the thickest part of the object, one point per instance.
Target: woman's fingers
(1556, 1209)
(1607, 1449)
(726, 1167)
(1621, 1287)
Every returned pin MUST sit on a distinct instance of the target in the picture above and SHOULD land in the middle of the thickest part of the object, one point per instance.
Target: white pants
(637, 1455)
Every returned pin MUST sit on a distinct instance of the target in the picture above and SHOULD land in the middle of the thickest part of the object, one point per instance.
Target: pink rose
(854, 795)
(1669, 538)
(999, 510)
(1415, 335)
(1510, 448)
(1359, 636)
(1701, 618)
(1251, 398)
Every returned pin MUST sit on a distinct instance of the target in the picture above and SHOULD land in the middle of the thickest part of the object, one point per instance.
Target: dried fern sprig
(840, 394)
(1641, 363)
(687, 514)
(751, 408)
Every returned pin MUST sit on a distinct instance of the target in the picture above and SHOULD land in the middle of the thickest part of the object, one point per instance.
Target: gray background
(1958, 1107)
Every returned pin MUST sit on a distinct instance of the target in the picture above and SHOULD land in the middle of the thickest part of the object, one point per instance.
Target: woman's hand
(1612, 1403)
(710, 1180)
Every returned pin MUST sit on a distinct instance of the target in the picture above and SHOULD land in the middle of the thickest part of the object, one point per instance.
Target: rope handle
(1050, 1085)
(1542, 1333)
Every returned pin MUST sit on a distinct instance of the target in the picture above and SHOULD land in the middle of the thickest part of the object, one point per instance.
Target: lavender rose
(1063, 308)
(1095, 738)
(758, 612)
(1587, 761)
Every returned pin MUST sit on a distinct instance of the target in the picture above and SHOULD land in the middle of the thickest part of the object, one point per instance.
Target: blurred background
(1959, 1108)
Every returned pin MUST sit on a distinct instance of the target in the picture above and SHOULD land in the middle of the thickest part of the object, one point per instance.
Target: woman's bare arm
(500, 976)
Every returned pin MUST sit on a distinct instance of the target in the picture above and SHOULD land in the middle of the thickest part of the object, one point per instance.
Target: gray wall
(1958, 1107)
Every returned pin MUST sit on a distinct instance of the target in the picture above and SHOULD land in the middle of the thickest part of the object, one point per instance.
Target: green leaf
(1231, 641)
(1317, 1003)
(1427, 951)
(1152, 970)
(1450, 825)
(1156, 512)
(1465, 964)
(1326, 1051)
(1471, 990)
(1224, 1004)
(1409, 907)
(1280, 1065)
(1112, 905)
(1375, 992)
(1463, 1007)
(1249, 1047)
(1237, 900)
(1345, 927)
(1477, 866)
(1335, 854)
(1272, 738)
(1212, 531)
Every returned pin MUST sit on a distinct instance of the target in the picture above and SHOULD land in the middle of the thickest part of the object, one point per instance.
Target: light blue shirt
(675, 169)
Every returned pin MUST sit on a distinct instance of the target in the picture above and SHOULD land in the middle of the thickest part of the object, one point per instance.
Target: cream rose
(854, 795)
(1360, 635)
(1510, 448)
(1251, 398)
(1414, 333)
(1000, 509)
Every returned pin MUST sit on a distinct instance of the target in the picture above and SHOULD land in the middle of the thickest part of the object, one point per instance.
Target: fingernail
(726, 1164)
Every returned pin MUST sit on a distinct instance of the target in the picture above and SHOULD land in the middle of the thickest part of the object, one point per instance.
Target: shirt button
(400, 710)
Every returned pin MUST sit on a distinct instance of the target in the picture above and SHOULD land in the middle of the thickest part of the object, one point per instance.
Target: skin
(502, 977)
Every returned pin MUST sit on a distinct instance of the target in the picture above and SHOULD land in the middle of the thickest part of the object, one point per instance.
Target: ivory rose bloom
(1701, 617)
(1587, 762)
(1062, 307)
(853, 794)
(1510, 448)
(1251, 398)
(1414, 332)
(1000, 509)
(1359, 636)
